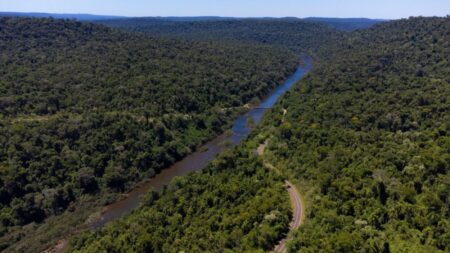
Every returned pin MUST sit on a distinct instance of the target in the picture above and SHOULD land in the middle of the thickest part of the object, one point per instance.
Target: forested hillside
(302, 36)
(347, 24)
(366, 139)
(235, 205)
(87, 111)
(78, 17)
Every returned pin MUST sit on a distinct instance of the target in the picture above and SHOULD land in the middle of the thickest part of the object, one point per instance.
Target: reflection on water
(199, 160)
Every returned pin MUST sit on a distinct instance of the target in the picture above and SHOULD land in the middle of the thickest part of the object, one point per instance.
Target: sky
(386, 9)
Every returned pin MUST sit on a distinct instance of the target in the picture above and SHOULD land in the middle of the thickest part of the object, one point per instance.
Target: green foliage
(49, 66)
(369, 131)
(234, 205)
(299, 35)
(87, 110)
(347, 24)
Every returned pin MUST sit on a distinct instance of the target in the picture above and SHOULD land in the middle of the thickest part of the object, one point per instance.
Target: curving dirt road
(296, 201)
(297, 216)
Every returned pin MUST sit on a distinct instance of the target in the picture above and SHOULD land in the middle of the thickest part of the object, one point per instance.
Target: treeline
(347, 24)
(89, 111)
(367, 138)
(299, 35)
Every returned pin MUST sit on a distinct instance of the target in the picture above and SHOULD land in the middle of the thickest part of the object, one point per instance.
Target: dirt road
(297, 216)
(296, 201)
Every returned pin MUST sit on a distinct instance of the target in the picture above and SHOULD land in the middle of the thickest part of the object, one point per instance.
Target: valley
(224, 134)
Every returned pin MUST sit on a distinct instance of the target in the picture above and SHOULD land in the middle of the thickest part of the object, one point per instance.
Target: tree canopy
(88, 111)
(365, 137)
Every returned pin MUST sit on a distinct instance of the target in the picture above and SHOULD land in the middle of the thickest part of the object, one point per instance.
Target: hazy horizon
(213, 16)
(380, 9)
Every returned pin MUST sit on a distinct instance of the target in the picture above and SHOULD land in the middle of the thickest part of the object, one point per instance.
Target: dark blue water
(199, 160)
(241, 127)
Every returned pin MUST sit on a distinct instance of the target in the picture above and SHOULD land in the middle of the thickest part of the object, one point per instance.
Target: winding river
(199, 160)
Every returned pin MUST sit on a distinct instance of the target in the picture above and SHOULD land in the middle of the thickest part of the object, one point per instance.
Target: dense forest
(235, 205)
(366, 139)
(347, 24)
(78, 17)
(199, 25)
(317, 39)
(87, 111)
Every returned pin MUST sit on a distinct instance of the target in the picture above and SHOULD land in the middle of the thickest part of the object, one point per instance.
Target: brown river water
(200, 159)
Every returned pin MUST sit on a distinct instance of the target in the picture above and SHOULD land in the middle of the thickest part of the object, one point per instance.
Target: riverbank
(197, 160)
(200, 159)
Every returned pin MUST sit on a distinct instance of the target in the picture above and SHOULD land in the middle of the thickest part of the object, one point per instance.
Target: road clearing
(297, 212)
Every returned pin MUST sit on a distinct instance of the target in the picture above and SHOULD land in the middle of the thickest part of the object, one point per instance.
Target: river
(199, 160)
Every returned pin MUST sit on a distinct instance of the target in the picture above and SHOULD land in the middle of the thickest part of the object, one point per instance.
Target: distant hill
(81, 17)
(347, 24)
(344, 24)
(293, 33)
(190, 19)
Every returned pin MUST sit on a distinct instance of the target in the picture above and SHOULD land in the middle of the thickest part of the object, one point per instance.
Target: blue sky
(389, 9)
